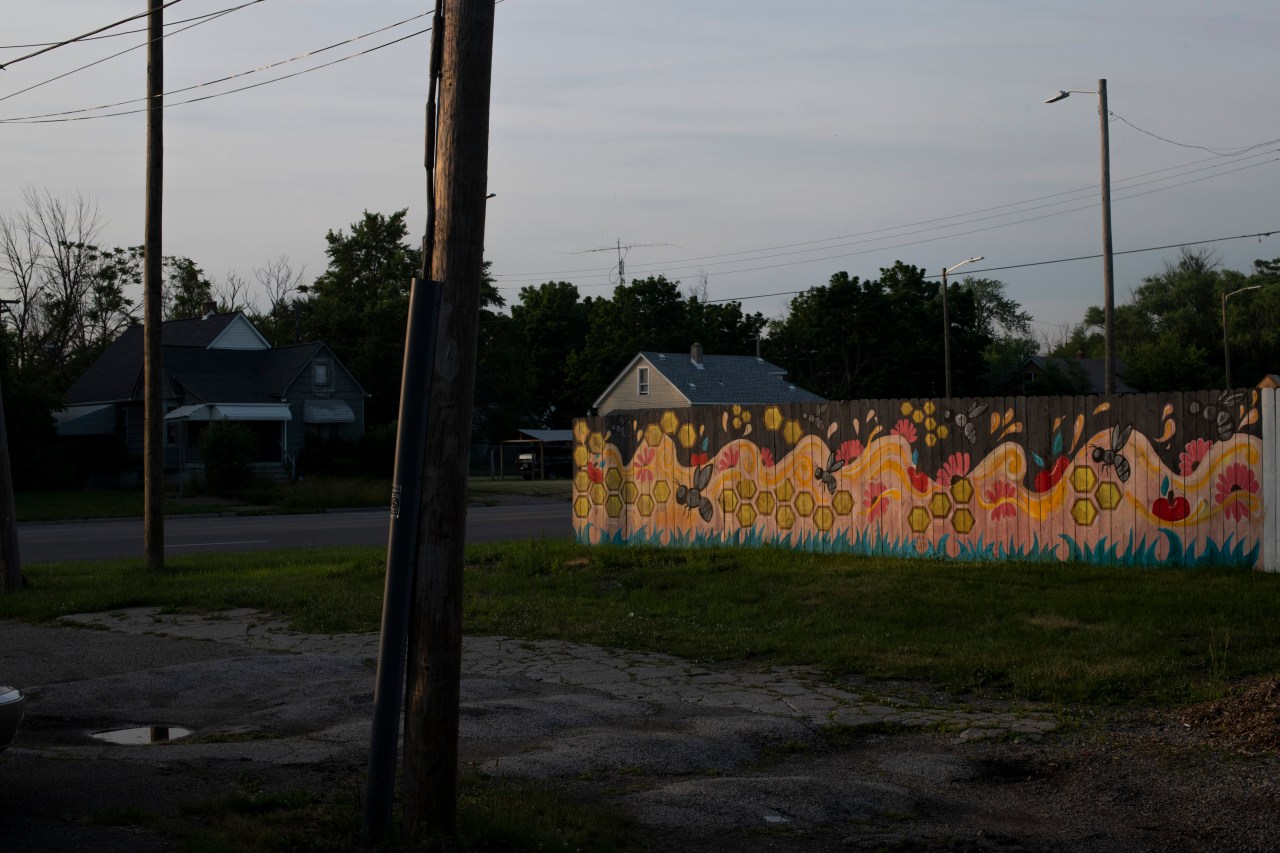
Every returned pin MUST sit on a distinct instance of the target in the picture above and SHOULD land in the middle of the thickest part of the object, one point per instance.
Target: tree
(360, 303)
(552, 323)
(185, 289)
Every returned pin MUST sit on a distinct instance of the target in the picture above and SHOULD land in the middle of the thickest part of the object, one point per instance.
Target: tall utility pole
(11, 571)
(153, 407)
(1108, 275)
(435, 632)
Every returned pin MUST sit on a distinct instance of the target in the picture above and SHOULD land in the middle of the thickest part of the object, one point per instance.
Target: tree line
(545, 357)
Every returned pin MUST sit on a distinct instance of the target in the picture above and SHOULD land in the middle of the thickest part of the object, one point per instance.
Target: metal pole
(946, 335)
(1108, 278)
(402, 546)
(153, 392)
(1226, 347)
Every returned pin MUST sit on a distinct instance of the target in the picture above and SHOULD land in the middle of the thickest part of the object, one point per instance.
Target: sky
(762, 146)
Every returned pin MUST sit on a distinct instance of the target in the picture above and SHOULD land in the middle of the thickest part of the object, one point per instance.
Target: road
(117, 538)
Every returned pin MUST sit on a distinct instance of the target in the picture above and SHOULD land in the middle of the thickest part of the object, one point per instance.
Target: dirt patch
(1247, 722)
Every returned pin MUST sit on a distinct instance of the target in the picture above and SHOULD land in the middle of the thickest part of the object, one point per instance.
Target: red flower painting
(1237, 478)
(906, 429)
(596, 474)
(1195, 452)
(1003, 494)
(640, 467)
(849, 450)
(766, 457)
(874, 501)
(956, 467)
(729, 459)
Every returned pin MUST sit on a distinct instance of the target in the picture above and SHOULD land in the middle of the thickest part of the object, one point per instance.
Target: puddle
(142, 735)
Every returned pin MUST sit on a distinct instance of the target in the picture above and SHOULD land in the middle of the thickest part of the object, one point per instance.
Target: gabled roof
(194, 365)
(1094, 371)
(720, 379)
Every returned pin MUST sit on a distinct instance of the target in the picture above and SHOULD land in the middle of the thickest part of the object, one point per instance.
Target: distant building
(217, 367)
(663, 380)
(1041, 374)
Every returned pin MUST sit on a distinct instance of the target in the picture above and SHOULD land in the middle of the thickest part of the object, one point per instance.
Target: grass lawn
(1046, 632)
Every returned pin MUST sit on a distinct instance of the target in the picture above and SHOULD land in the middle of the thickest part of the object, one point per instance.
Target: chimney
(207, 308)
(695, 354)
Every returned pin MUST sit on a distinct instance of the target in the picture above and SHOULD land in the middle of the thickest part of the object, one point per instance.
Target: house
(217, 367)
(663, 380)
(1040, 374)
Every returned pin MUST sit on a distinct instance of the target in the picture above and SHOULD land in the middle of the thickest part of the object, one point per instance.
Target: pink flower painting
(849, 450)
(728, 459)
(1190, 459)
(766, 457)
(1004, 495)
(956, 467)
(874, 501)
(1237, 478)
(906, 429)
(640, 466)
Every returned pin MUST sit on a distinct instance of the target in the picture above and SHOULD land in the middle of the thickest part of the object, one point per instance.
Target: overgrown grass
(1047, 632)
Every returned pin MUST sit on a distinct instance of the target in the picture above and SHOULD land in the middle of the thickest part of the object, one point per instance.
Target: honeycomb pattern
(662, 491)
(842, 502)
(792, 431)
(772, 418)
(669, 422)
(962, 490)
(598, 493)
(644, 505)
(629, 492)
(805, 504)
(595, 443)
(581, 482)
(785, 491)
(746, 515)
(1084, 512)
(581, 431)
(919, 519)
(963, 520)
(786, 517)
(581, 455)
(653, 435)
(824, 518)
(765, 502)
(939, 504)
(728, 500)
(1083, 478)
(582, 506)
(613, 479)
(613, 506)
(747, 489)
(1108, 495)
(687, 435)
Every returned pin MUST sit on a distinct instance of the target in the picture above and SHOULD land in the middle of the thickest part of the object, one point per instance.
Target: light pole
(1226, 347)
(1108, 280)
(946, 323)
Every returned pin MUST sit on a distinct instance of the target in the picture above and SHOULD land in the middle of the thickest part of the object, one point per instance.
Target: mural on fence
(1134, 479)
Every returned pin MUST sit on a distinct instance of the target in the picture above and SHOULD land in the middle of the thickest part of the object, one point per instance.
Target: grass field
(1057, 633)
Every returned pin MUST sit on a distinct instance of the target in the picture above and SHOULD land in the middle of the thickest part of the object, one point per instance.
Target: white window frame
(642, 381)
(316, 367)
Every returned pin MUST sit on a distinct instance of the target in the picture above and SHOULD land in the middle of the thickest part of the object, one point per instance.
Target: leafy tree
(185, 288)
(552, 323)
(359, 305)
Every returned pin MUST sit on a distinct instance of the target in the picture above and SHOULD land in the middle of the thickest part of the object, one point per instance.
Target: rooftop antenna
(622, 255)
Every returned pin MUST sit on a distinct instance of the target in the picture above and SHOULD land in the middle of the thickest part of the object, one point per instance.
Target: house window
(320, 374)
(642, 381)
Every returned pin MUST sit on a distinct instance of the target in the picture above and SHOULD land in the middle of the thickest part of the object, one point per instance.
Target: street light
(1108, 309)
(1226, 348)
(946, 323)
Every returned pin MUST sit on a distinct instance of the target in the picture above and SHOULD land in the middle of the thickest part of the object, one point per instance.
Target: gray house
(664, 380)
(214, 368)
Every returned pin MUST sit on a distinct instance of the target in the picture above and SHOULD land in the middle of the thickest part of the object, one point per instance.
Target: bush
(228, 451)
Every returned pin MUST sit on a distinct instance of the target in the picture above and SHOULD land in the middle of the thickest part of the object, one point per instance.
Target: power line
(202, 19)
(33, 119)
(1260, 234)
(73, 115)
(56, 45)
(966, 218)
(907, 244)
(1222, 151)
(127, 32)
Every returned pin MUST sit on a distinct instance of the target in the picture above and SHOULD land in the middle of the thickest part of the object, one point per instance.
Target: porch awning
(97, 419)
(327, 412)
(232, 412)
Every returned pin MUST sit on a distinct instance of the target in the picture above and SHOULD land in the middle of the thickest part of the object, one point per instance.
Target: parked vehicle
(12, 705)
(557, 462)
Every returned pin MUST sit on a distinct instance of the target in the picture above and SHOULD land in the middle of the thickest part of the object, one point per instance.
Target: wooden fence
(1183, 479)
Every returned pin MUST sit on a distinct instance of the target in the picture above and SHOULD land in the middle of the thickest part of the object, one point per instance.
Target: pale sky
(767, 145)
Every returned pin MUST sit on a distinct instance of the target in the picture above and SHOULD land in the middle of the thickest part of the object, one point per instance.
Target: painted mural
(1170, 479)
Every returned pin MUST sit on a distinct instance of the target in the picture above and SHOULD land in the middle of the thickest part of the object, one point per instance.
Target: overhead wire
(56, 45)
(1221, 150)
(202, 19)
(176, 23)
(77, 114)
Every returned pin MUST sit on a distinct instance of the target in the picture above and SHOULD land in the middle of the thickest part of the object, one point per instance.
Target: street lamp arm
(1066, 93)
(962, 263)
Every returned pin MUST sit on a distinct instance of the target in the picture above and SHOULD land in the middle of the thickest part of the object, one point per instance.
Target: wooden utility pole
(153, 407)
(435, 633)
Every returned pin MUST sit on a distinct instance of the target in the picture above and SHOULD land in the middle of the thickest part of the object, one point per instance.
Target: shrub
(228, 451)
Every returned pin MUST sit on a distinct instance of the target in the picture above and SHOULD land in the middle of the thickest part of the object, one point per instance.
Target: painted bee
(966, 422)
(827, 475)
(1220, 415)
(1112, 456)
(693, 497)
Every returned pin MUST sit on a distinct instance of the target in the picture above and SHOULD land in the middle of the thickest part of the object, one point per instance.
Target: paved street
(185, 534)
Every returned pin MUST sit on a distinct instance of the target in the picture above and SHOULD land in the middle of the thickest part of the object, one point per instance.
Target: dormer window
(321, 375)
(642, 381)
